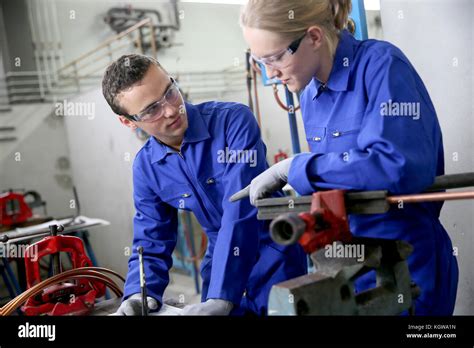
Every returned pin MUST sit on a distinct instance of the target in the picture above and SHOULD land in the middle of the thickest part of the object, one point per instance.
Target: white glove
(271, 180)
(133, 305)
(210, 307)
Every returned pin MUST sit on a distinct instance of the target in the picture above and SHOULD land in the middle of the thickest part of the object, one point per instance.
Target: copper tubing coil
(77, 273)
(430, 197)
(18, 302)
(280, 103)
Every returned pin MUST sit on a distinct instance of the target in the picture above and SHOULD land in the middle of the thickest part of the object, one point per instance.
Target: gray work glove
(133, 305)
(271, 180)
(210, 307)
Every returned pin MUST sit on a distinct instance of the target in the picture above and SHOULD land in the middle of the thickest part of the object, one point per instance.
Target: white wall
(437, 36)
(209, 37)
(102, 152)
(38, 169)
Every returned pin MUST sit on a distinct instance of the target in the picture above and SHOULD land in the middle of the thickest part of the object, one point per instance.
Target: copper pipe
(278, 100)
(257, 103)
(255, 67)
(430, 197)
(152, 39)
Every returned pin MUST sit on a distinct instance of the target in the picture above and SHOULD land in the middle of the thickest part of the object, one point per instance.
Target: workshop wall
(102, 152)
(437, 36)
(40, 162)
(209, 38)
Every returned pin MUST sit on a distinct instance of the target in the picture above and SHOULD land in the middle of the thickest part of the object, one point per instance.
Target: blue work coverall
(372, 126)
(222, 151)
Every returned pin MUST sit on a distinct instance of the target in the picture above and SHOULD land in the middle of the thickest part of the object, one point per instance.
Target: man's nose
(169, 110)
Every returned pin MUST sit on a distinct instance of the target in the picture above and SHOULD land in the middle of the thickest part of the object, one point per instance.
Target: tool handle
(142, 282)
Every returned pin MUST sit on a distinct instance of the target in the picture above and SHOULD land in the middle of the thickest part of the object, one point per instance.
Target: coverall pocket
(316, 138)
(178, 196)
(342, 134)
(342, 139)
(213, 186)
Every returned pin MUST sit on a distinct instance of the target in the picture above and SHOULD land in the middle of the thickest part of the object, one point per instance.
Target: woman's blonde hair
(290, 18)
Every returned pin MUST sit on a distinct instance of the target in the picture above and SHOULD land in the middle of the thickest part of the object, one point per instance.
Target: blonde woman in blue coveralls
(349, 92)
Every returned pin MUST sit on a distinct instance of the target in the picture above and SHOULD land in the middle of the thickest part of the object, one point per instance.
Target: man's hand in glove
(210, 307)
(133, 305)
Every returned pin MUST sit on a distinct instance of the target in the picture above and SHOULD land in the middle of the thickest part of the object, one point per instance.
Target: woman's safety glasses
(280, 59)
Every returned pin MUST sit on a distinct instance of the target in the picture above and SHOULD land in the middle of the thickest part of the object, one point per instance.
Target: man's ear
(128, 123)
(316, 35)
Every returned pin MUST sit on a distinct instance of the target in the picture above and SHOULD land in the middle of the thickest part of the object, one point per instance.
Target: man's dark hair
(123, 74)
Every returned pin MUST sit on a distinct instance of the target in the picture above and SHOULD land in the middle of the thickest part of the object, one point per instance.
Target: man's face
(169, 128)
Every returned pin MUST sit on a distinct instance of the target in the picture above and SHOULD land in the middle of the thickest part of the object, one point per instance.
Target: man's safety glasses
(156, 110)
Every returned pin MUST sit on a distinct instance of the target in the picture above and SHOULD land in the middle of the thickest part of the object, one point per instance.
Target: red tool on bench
(327, 219)
(325, 223)
(13, 209)
(17, 209)
(69, 298)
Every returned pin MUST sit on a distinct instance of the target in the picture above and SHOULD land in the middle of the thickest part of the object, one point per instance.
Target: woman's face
(294, 70)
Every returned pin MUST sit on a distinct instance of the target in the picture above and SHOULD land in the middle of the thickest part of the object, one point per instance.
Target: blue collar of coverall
(197, 131)
(339, 76)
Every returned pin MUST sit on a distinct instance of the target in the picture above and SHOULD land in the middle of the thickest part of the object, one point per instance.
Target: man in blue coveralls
(195, 158)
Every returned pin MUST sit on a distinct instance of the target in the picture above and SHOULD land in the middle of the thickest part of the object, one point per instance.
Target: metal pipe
(35, 38)
(57, 34)
(152, 40)
(287, 229)
(430, 197)
(50, 40)
(295, 141)
(177, 25)
(42, 21)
